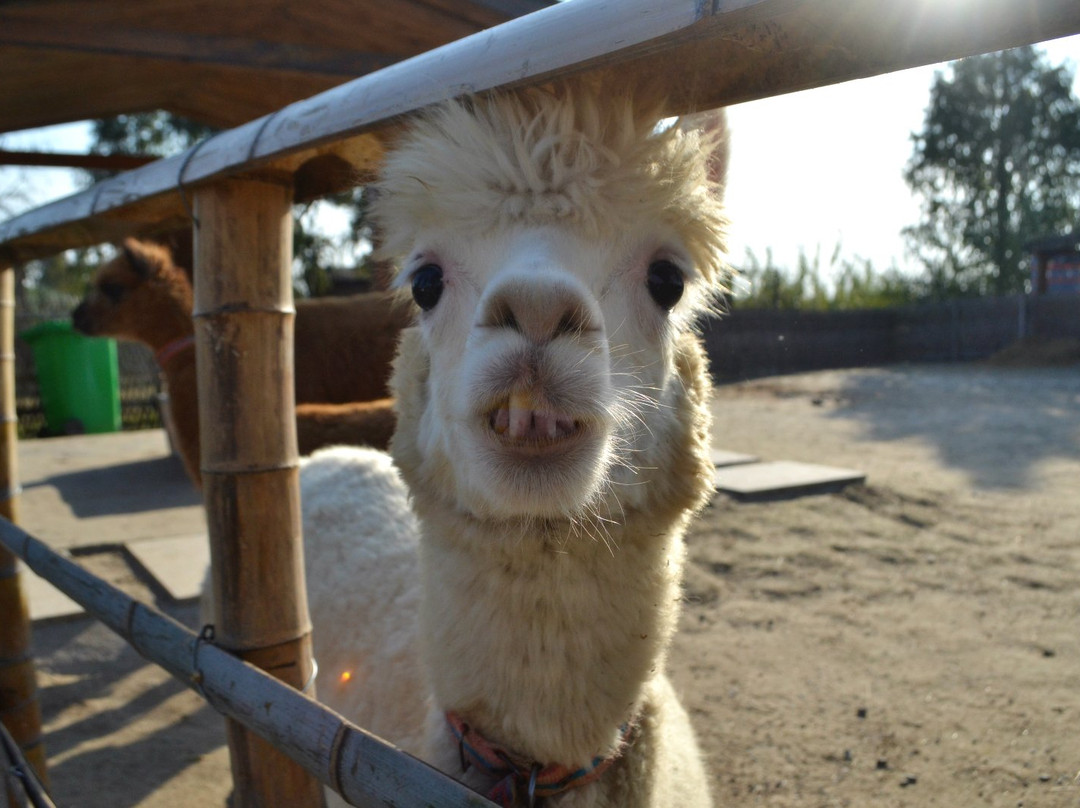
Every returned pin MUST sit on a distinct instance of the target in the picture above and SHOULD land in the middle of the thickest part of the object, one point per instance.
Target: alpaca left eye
(665, 284)
(427, 286)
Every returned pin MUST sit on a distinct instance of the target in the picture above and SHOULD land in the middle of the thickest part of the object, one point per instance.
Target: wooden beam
(706, 54)
(164, 45)
(250, 465)
(219, 95)
(20, 712)
(103, 162)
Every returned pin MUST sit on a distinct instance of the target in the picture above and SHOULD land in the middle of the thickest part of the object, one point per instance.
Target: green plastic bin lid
(46, 328)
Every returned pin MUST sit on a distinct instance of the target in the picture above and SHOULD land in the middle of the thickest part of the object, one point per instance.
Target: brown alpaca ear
(137, 256)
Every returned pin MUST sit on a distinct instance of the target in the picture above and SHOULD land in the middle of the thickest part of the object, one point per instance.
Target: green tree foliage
(997, 163)
(53, 286)
(13, 196)
(159, 134)
(162, 134)
(841, 283)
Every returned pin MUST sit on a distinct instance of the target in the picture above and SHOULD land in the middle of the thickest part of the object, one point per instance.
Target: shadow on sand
(994, 424)
(96, 695)
(133, 487)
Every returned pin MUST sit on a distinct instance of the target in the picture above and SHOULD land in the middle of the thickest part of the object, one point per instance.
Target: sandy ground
(908, 642)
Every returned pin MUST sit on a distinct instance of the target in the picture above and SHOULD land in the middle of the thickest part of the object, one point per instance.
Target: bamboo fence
(705, 53)
(366, 770)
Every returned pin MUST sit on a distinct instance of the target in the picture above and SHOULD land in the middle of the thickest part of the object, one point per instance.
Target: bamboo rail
(364, 769)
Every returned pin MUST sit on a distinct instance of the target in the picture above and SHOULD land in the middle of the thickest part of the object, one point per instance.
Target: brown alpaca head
(139, 295)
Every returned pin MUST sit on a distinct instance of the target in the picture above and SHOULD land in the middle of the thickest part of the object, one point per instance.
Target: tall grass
(840, 283)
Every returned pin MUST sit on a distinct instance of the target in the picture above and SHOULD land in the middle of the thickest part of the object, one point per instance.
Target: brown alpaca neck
(170, 332)
(169, 318)
(182, 384)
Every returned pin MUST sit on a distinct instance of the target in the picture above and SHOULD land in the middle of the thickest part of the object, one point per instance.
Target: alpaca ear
(714, 130)
(138, 258)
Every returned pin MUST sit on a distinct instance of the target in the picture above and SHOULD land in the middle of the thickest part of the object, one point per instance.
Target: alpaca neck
(161, 314)
(181, 382)
(170, 324)
(563, 630)
(168, 352)
(166, 329)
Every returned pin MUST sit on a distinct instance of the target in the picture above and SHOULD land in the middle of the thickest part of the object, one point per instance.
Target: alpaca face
(559, 246)
(126, 296)
(548, 353)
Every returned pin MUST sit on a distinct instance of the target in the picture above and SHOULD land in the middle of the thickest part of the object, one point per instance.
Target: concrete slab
(105, 489)
(722, 457)
(782, 479)
(177, 563)
(45, 600)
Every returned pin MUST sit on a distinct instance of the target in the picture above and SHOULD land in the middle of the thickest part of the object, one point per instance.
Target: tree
(997, 163)
(151, 133)
(162, 134)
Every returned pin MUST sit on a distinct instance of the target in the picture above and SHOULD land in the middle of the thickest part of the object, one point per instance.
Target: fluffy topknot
(578, 155)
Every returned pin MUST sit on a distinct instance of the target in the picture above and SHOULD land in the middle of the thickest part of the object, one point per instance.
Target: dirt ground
(908, 642)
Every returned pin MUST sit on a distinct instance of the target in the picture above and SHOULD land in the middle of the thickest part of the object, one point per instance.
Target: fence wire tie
(180, 180)
(259, 133)
(205, 636)
(311, 679)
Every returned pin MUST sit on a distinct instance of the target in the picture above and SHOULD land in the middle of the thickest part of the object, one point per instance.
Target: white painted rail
(706, 53)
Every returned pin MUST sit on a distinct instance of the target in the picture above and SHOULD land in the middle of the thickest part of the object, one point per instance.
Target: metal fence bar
(18, 777)
(364, 769)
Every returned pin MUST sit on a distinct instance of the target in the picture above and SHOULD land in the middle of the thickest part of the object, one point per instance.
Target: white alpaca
(553, 432)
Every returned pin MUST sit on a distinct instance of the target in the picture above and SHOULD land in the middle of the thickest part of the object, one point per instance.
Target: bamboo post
(244, 342)
(19, 709)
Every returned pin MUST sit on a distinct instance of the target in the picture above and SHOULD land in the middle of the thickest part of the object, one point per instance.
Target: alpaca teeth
(521, 414)
(521, 400)
(518, 418)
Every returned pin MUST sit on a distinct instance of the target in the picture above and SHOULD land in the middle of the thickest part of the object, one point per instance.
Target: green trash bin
(78, 378)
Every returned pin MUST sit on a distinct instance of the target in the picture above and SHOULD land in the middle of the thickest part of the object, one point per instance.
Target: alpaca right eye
(427, 286)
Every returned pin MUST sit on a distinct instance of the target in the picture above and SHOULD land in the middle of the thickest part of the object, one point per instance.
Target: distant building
(1055, 264)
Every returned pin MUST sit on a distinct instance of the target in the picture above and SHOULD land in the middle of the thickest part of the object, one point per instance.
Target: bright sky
(825, 166)
(808, 170)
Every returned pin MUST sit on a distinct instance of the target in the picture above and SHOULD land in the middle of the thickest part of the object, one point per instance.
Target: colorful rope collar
(521, 782)
(171, 349)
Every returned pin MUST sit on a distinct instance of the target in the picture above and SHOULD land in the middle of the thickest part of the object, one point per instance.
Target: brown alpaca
(343, 349)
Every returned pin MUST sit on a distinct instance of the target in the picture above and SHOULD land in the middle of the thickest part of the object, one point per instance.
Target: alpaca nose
(540, 309)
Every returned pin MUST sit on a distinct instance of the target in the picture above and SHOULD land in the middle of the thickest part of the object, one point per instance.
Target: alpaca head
(139, 295)
(559, 246)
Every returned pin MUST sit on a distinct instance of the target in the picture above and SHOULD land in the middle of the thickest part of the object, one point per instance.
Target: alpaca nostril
(502, 316)
(575, 321)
